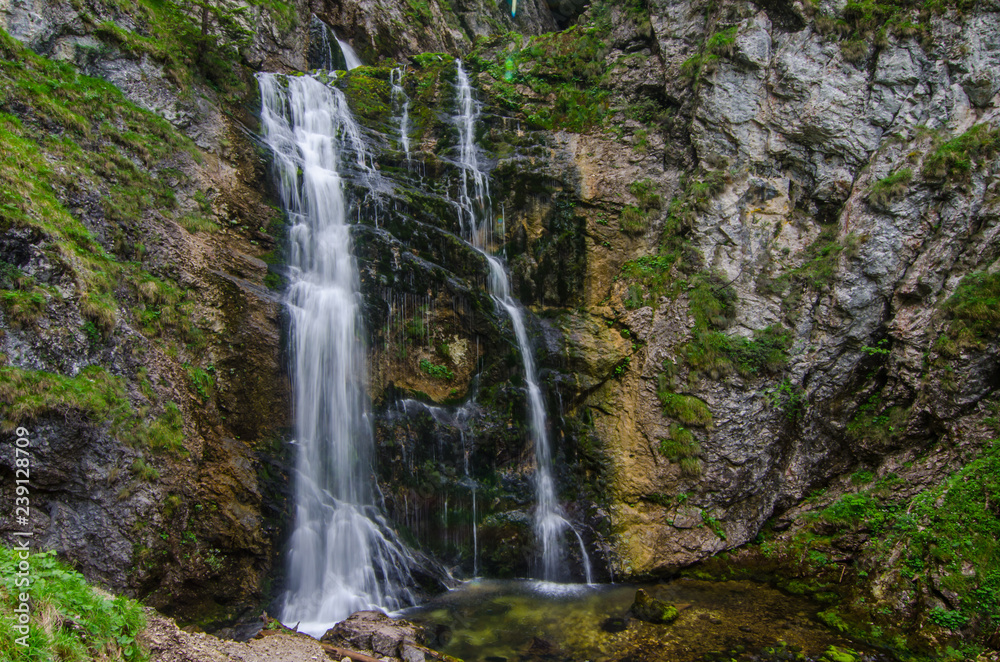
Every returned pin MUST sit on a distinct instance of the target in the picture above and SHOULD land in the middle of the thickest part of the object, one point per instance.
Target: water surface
(513, 621)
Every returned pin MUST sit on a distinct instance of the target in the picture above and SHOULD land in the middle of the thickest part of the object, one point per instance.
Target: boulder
(653, 610)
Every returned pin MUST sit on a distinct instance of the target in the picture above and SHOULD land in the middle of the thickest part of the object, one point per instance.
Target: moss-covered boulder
(652, 610)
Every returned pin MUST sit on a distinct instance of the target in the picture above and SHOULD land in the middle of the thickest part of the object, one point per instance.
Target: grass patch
(26, 395)
(71, 621)
(687, 409)
(890, 189)
(23, 307)
(144, 471)
(681, 447)
(166, 433)
(974, 308)
(955, 160)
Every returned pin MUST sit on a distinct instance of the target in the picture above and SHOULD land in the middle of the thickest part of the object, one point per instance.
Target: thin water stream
(551, 524)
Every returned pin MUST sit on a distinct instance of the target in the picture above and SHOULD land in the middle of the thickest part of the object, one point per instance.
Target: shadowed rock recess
(758, 245)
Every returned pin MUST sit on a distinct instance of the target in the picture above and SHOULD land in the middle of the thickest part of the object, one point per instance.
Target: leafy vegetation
(863, 23)
(719, 44)
(941, 540)
(70, 621)
(436, 371)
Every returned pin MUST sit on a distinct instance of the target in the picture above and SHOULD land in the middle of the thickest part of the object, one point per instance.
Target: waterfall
(550, 521)
(351, 58)
(399, 96)
(343, 555)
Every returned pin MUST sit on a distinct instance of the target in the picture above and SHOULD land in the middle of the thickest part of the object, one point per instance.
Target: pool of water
(521, 621)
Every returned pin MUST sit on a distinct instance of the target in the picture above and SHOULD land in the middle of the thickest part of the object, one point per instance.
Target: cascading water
(399, 97)
(351, 58)
(343, 554)
(474, 202)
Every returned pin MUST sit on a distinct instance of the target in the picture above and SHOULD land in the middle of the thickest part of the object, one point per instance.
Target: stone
(375, 633)
(652, 610)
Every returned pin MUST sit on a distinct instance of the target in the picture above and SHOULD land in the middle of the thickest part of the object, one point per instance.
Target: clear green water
(515, 621)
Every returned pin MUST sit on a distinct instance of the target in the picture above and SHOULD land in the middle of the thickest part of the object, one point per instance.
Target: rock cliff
(759, 240)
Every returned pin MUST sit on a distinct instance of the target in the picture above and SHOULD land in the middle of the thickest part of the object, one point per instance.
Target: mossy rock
(653, 610)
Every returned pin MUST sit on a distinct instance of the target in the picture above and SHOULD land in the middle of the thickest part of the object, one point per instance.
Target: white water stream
(343, 554)
(550, 521)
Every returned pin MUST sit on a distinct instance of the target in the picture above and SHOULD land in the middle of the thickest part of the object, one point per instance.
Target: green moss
(70, 620)
(835, 654)
(554, 81)
(368, 92)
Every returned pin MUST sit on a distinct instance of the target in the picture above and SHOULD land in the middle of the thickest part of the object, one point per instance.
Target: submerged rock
(652, 610)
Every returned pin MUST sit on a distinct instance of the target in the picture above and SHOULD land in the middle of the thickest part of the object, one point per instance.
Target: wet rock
(652, 610)
(374, 632)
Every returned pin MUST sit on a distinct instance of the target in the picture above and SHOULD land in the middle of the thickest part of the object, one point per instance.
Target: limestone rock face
(797, 145)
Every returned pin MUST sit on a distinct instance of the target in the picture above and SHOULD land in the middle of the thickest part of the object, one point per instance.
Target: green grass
(166, 433)
(953, 161)
(23, 307)
(70, 621)
(687, 409)
(202, 381)
(974, 308)
(633, 220)
(890, 189)
(144, 471)
(25, 395)
(681, 447)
